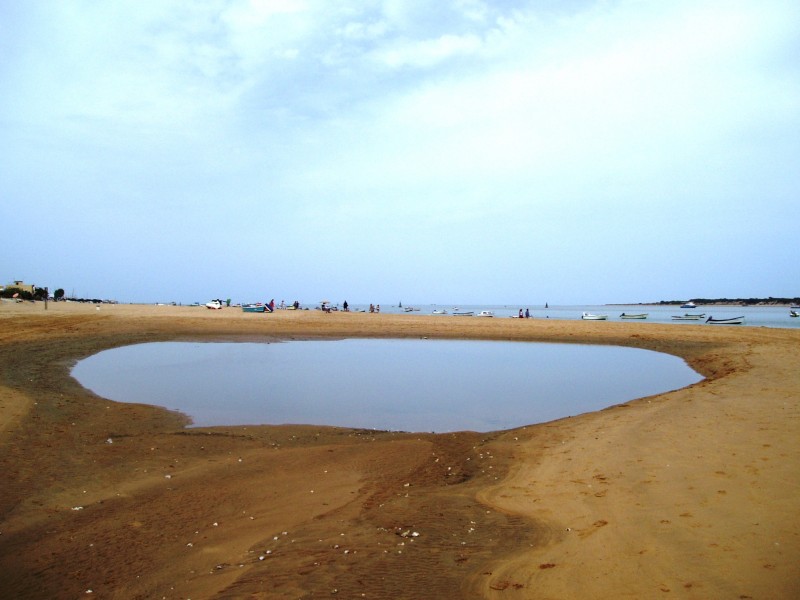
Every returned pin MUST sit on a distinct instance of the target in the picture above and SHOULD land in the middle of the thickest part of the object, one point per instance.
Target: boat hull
(731, 321)
(254, 309)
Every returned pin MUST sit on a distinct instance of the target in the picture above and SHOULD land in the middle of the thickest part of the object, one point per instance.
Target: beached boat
(633, 316)
(439, 311)
(592, 317)
(214, 305)
(254, 308)
(485, 313)
(689, 305)
(731, 321)
(462, 313)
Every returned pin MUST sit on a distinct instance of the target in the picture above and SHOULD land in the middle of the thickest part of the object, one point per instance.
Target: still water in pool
(408, 385)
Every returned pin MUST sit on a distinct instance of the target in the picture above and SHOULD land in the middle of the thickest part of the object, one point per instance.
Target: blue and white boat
(254, 308)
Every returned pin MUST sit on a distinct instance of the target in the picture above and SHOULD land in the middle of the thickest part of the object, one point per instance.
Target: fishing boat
(687, 317)
(633, 316)
(794, 313)
(485, 313)
(731, 321)
(689, 304)
(439, 311)
(254, 308)
(462, 313)
(592, 317)
(214, 304)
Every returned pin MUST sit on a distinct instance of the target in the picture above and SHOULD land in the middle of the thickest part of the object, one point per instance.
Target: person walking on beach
(345, 307)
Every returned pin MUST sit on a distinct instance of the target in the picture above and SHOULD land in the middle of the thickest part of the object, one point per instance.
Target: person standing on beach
(527, 314)
(345, 307)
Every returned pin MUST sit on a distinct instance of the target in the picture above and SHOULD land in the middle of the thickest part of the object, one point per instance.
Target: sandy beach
(690, 494)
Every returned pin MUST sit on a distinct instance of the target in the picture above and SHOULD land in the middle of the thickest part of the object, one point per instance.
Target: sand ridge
(693, 492)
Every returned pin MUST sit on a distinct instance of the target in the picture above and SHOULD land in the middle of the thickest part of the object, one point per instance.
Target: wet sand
(693, 493)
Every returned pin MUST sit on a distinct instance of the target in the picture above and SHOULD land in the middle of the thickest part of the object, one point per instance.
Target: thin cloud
(467, 130)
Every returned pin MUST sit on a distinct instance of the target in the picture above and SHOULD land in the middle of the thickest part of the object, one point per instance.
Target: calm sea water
(408, 385)
(755, 316)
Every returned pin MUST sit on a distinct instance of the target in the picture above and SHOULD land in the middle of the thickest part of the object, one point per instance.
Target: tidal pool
(388, 384)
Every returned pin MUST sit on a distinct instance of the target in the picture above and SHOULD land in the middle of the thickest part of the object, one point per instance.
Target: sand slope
(692, 493)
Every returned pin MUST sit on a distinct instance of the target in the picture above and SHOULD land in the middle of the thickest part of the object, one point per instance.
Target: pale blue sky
(425, 151)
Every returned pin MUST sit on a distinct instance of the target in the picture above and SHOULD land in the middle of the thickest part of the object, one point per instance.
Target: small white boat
(439, 312)
(462, 313)
(687, 317)
(485, 313)
(591, 317)
(214, 304)
(633, 316)
(794, 313)
(689, 305)
(731, 321)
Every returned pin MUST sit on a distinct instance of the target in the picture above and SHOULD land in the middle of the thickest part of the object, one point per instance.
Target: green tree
(58, 294)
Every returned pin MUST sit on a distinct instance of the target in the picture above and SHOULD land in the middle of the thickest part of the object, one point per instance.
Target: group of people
(283, 306)
(326, 307)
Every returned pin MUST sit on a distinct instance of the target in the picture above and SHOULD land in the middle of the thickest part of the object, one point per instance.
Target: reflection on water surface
(409, 385)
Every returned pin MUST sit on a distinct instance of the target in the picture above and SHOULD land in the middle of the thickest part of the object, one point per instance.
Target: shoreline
(692, 491)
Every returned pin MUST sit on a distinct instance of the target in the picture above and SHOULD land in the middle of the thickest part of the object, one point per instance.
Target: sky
(437, 151)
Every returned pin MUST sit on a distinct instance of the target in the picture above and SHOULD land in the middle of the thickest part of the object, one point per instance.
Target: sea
(755, 316)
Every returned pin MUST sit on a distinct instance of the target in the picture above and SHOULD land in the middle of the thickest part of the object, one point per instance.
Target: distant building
(22, 286)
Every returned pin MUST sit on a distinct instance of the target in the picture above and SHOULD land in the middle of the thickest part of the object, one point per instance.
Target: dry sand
(690, 494)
